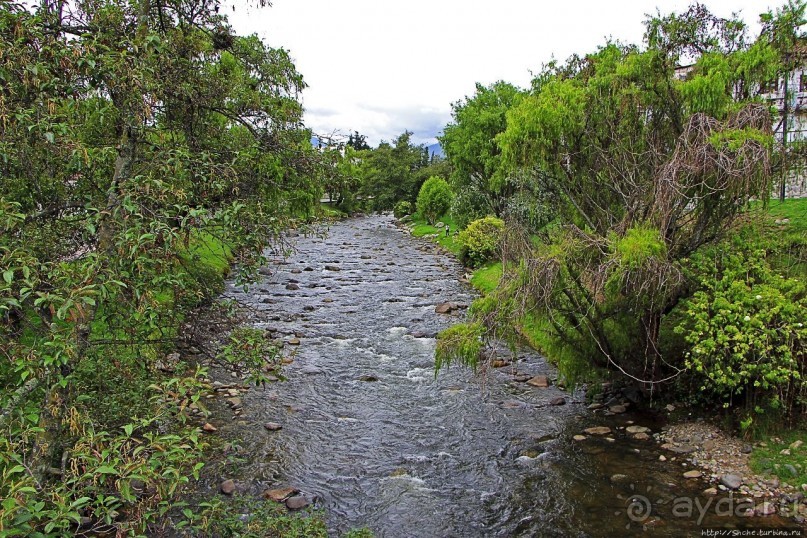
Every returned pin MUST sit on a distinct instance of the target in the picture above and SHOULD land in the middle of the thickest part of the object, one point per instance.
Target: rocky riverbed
(362, 428)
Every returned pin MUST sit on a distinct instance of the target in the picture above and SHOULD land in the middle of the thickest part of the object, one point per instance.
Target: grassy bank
(421, 228)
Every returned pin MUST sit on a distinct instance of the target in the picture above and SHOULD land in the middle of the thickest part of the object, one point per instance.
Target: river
(372, 437)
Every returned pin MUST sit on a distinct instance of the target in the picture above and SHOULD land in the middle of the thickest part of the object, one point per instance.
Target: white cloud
(381, 67)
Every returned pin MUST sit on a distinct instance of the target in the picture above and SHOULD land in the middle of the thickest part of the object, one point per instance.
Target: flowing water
(370, 435)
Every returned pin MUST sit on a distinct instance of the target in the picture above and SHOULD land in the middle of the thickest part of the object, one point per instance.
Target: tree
(390, 172)
(136, 138)
(782, 32)
(434, 199)
(482, 184)
(642, 169)
(358, 141)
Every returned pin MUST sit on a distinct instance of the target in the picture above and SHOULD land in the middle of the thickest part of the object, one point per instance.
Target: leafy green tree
(358, 141)
(482, 184)
(140, 143)
(642, 169)
(434, 199)
(390, 172)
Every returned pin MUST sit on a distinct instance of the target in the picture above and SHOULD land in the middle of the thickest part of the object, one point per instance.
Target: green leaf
(8, 275)
(106, 469)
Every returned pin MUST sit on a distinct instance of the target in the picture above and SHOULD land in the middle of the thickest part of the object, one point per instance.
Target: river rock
(641, 436)
(791, 469)
(619, 478)
(227, 487)
(598, 430)
(365, 257)
(272, 426)
(540, 381)
(234, 402)
(332, 268)
(678, 449)
(560, 400)
(693, 474)
(637, 429)
(520, 377)
(368, 378)
(209, 428)
(795, 445)
(579, 438)
(294, 341)
(617, 409)
(445, 308)
(297, 502)
(765, 509)
(595, 406)
(710, 491)
(731, 481)
(279, 494)
(292, 287)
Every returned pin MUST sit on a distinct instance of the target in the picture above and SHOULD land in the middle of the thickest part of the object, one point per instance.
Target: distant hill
(436, 149)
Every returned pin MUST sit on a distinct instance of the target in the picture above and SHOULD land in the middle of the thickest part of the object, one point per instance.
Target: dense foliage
(434, 199)
(745, 328)
(633, 168)
(402, 208)
(479, 242)
(482, 184)
(143, 147)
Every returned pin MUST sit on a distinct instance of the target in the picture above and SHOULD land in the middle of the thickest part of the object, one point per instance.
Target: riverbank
(721, 460)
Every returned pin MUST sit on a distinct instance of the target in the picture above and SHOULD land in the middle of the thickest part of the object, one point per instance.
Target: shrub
(479, 242)
(402, 208)
(434, 199)
(745, 330)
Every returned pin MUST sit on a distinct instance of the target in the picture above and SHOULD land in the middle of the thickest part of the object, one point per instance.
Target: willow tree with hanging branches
(643, 164)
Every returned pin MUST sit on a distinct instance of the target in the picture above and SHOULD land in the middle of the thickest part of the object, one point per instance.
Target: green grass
(794, 209)
(329, 211)
(422, 228)
(246, 517)
(768, 460)
(207, 252)
(487, 277)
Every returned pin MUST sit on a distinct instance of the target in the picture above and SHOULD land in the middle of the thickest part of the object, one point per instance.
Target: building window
(769, 87)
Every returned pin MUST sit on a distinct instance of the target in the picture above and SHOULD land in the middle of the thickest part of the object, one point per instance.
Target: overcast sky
(380, 66)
